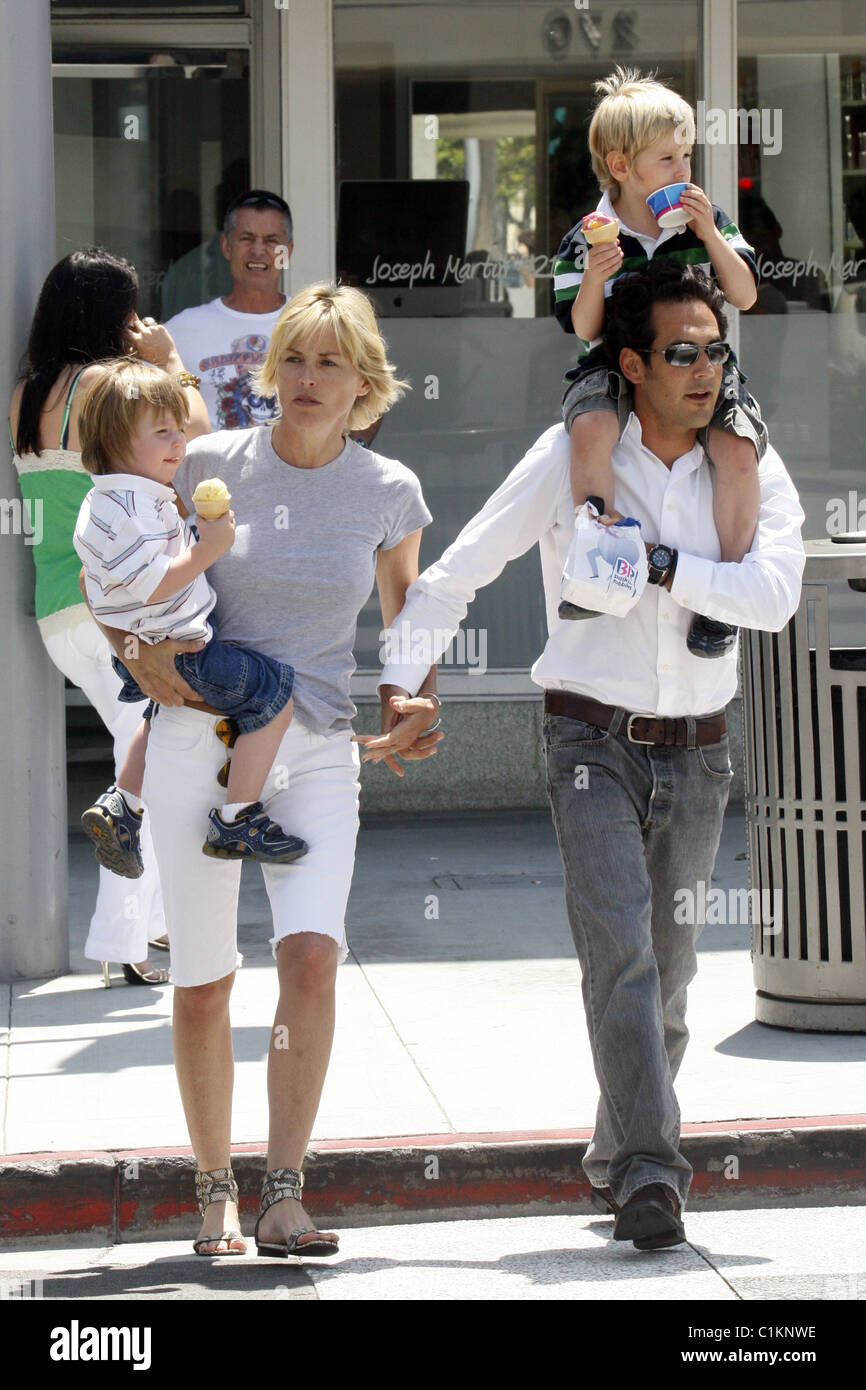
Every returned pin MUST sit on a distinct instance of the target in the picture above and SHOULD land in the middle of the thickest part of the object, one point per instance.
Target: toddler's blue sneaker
(710, 639)
(252, 836)
(572, 611)
(115, 830)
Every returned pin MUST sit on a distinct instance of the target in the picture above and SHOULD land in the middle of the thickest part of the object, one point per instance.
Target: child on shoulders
(641, 138)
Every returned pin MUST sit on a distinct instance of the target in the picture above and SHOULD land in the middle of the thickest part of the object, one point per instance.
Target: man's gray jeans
(636, 825)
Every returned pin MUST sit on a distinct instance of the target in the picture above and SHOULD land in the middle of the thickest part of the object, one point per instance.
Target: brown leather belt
(638, 728)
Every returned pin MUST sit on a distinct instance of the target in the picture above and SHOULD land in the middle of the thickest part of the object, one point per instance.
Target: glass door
(150, 144)
(802, 175)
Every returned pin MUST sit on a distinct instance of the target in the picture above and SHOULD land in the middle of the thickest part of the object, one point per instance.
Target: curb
(140, 1194)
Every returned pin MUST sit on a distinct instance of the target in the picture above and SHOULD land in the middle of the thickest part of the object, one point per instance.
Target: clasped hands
(404, 721)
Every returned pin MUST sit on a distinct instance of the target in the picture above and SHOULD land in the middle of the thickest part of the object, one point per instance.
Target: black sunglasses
(687, 354)
(257, 195)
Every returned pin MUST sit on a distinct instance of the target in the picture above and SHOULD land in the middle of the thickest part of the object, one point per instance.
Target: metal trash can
(804, 716)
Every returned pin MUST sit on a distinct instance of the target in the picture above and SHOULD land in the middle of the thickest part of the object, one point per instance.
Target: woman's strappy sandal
(216, 1186)
(279, 1184)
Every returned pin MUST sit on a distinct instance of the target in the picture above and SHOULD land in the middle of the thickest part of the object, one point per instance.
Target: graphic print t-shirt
(225, 348)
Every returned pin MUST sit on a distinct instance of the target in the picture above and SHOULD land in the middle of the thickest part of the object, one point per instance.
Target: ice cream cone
(211, 498)
(597, 228)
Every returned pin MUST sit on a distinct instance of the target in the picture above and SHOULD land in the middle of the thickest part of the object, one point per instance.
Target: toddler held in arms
(641, 138)
(144, 574)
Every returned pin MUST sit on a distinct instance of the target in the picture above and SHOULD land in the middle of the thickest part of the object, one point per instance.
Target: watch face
(660, 557)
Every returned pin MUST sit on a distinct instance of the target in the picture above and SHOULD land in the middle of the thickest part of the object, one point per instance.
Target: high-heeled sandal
(156, 976)
(279, 1184)
(216, 1186)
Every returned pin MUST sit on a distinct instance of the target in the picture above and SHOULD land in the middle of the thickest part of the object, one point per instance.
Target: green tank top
(53, 485)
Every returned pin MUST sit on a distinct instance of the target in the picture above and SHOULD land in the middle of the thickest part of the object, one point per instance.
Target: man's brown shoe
(603, 1200)
(651, 1218)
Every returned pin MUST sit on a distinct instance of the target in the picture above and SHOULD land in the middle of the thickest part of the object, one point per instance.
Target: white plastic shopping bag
(606, 569)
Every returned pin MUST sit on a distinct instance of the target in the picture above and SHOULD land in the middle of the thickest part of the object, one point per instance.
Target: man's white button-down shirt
(640, 662)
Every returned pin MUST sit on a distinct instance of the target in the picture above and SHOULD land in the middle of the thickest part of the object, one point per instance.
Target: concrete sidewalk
(735, 1257)
(459, 1015)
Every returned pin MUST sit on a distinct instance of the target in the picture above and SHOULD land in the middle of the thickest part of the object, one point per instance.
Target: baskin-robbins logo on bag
(624, 574)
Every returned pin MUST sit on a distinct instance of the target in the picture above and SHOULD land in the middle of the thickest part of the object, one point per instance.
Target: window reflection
(148, 7)
(803, 207)
(489, 100)
(149, 147)
(785, 280)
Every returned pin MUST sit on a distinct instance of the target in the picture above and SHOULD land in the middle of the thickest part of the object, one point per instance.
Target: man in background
(225, 340)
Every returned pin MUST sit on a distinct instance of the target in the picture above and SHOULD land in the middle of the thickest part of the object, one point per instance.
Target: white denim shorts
(312, 791)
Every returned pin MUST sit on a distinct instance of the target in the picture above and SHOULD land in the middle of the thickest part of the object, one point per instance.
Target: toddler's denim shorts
(245, 685)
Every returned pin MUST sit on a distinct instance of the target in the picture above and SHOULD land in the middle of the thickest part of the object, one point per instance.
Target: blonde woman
(318, 520)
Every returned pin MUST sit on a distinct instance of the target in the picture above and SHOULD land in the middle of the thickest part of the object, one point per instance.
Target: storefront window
(149, 147)
(148, 7)
(801, 128)
(461, 162)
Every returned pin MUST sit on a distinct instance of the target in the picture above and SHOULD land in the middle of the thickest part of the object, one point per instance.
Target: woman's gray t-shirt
(303, 562)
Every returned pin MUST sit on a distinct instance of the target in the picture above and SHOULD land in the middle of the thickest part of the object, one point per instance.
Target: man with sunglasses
(226, 340)
(634, 730)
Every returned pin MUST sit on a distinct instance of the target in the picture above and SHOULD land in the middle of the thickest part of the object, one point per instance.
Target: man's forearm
(429, 686)
(763, 590)
(512, 520)
(430, 683)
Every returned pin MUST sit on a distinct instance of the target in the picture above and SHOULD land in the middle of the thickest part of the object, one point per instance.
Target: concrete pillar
(307, 49)
(33, 867)
(719, 91)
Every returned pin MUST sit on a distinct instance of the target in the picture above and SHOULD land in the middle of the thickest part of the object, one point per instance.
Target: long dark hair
(82, 311)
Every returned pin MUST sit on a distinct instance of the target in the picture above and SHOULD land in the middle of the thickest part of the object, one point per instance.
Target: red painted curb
(137, 1194)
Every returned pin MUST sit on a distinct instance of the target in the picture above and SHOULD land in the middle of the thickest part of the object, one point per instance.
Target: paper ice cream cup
(665, 204)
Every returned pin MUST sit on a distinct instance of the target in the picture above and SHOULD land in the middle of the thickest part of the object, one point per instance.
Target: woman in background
(85, 315)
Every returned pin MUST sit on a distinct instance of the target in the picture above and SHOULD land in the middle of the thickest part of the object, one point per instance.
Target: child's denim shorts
(248, 687)
(595, 384)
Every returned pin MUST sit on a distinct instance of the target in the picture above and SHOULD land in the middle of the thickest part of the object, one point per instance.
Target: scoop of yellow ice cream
(211, 498)
(599, 228)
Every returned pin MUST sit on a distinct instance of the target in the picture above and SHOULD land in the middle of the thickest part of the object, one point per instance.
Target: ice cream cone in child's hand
(598, 228)
(211, 498)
